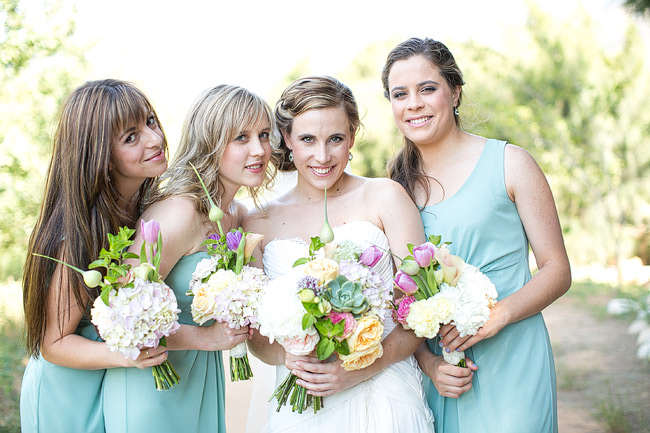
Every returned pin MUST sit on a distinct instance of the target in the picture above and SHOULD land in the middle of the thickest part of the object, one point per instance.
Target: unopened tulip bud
(307, 295)
(410, 267)
(92, 278)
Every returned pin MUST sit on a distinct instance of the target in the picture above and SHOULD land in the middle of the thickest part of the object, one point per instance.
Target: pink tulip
(150, 230)
(405, 283)
(423, 254)
(371, 256)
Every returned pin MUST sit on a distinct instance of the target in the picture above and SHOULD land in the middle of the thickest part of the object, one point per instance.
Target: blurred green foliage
(38, 70)
(579, 108)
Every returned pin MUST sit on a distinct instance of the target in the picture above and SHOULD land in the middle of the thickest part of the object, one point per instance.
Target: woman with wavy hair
(226, 137)
(108, 150)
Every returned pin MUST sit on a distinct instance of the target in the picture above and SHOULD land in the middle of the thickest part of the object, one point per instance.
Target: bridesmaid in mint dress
(491, 200)
(118, 149)
(226, 137)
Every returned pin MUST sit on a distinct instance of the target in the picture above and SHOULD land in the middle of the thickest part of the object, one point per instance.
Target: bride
(318, 119)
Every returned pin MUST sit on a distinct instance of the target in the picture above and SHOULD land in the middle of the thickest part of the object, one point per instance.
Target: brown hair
(306, 94)
(406, 167)
(80, 206)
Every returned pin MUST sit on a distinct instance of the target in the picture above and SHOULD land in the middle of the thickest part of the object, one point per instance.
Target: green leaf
(342, 347)
(129, 255)
(301, 261)
(307, 321)
(435, 239)
(105, 292)
(325, 348)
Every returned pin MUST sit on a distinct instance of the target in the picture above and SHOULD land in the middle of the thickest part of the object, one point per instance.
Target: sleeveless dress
(514, 389)
(391, 401)
(60, 399)
(196, 404)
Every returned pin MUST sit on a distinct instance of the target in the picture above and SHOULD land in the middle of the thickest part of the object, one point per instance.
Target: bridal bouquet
(441, 288)
(136, 309)
(336, 304)
(225, 289)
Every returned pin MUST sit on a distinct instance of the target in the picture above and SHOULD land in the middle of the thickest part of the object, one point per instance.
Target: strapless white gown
(392, 401)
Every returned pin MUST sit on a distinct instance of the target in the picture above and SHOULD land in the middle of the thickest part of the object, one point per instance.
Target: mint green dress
(514, 389)
(196, 404)
(57, 399)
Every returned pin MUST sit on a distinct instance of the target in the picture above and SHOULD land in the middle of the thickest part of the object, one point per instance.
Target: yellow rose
(367, 334)
(202, 305)
(452, 266)
(322, 269)
(359, 360)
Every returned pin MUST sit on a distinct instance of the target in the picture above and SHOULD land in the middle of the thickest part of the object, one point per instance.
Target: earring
(291, 156)
(456, 111)
(350, 156)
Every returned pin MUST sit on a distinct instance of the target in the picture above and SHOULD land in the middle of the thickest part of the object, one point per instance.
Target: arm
(183, 232)
(528, 188)
(62, 346)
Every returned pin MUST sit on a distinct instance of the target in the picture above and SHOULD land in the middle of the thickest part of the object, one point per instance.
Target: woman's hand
(220, 336)
(451, 340)
(149, 357)
(323, 378)
(449, 380)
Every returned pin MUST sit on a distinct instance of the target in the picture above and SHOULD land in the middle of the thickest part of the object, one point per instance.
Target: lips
(419, 121)
(156, 156)
(321, 171)
(256, 167)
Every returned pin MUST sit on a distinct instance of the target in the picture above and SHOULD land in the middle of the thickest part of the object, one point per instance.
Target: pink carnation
(350, 323)
(403, 309)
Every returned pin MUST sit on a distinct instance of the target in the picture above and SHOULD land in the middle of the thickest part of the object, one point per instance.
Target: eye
(130, 138)
(242, 138)
(428, 89)
(308, 139)
(151, 122)
(399, 94)
(336, 139)
(264, 136)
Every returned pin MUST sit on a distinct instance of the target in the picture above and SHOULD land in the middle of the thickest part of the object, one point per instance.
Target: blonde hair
(215, 119)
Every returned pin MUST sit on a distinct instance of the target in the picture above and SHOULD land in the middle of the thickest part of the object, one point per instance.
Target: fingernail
(473, 365)
(458, 349)
(441, 344)
(447, 350)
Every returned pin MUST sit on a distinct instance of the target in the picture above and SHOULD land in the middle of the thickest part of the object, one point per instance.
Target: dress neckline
(467, 181)
(339, 227)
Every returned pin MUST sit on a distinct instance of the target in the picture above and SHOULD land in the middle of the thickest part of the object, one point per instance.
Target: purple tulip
(423, 254)
(405, 283)
(233, 239)
(371, 256)
(150, 230)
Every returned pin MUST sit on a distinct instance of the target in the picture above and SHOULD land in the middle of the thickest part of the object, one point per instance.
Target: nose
(414, 101)
(257, 147)
(322, 154)
(152, 137)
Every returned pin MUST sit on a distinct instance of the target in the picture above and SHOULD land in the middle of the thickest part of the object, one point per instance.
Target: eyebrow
(419, 85)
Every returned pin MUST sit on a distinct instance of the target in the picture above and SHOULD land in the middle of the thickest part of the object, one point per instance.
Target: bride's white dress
(391, 401)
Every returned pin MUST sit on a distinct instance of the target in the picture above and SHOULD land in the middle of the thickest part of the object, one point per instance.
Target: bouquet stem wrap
(240, 369)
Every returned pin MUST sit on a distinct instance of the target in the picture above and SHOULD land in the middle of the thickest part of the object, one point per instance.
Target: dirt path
(596, 370)
(595, 365)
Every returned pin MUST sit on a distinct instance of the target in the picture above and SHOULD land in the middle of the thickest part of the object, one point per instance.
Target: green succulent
(347, 296)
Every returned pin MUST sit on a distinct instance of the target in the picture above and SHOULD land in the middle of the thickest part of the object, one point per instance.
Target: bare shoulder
(175, 214)
(521, 170)
(386, 189)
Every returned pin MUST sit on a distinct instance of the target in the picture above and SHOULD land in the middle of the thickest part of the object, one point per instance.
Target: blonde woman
(226, 137)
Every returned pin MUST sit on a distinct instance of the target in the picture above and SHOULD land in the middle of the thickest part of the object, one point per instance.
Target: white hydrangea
(136, 316)
(280, 311)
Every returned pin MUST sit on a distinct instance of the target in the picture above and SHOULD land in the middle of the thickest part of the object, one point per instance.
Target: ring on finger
(147, 352)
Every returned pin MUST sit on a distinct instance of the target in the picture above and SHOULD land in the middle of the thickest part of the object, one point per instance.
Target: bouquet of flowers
(336, 304)
(225, 289)
(441, 288)
(136, 309)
